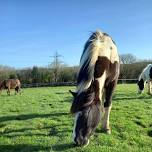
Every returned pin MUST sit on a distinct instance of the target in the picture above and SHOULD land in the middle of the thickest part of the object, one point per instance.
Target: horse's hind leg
(8, 91)
(107, 107)
(17, 89)
(150, 87)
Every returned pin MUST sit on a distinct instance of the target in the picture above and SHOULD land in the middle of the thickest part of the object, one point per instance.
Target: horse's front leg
(107, 107)
(105, 120)
(150, 87)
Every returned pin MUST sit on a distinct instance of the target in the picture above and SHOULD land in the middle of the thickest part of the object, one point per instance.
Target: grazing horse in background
(145, 76)
(97, 78)
(11, 84)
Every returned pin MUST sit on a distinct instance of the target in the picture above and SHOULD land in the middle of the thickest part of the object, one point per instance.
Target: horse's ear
(73, 93)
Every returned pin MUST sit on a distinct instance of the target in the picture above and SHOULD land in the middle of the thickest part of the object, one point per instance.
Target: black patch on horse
(141, 84)
(101, 65)
(150, 73)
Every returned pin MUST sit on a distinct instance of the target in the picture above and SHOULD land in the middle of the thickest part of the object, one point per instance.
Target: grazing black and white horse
(145, 77)
(97, 78)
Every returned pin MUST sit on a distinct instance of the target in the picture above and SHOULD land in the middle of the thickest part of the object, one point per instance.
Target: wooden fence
(53, 84)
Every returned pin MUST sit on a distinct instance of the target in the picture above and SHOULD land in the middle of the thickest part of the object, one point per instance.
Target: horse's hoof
(86, 144)
(107, 131)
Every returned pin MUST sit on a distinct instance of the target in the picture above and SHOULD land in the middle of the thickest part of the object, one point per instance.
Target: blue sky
(33, 30)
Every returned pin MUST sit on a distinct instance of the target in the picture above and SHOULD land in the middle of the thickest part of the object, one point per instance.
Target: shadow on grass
(51, 133)
(61, 93)
(32, 116)
(53, 130)
(131, 98)
(149, 133)
(6, 95)
(34, 148)
(62, 147)
(139, 123)
(23, 147)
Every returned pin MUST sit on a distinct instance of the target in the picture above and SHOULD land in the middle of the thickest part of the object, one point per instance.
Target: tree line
(130, 68)
(39, 74)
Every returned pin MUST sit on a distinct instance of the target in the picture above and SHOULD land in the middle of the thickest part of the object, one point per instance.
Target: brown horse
(11, 84)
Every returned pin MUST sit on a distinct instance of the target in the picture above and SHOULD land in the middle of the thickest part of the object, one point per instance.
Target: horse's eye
(111, 48)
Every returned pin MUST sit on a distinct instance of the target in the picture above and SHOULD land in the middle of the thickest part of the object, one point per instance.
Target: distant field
(39, 121)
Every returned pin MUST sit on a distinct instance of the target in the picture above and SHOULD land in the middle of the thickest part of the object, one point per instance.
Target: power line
(56, 62)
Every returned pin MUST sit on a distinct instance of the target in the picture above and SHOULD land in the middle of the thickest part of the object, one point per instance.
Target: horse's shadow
(32, 116)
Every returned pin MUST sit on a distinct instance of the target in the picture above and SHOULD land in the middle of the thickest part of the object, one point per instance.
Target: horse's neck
(144, 75)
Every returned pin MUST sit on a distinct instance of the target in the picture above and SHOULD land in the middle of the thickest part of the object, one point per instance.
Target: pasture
(38, 120)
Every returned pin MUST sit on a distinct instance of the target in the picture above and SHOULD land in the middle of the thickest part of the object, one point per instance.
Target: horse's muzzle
(140, 91)
(81, 142)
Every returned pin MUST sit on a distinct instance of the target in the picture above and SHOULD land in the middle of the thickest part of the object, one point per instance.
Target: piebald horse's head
(140, 85)
(87, 116)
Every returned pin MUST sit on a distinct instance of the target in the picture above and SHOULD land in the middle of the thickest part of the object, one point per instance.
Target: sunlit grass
(39, 120)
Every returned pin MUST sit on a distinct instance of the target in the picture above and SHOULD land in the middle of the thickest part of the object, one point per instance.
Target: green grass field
(39, 120)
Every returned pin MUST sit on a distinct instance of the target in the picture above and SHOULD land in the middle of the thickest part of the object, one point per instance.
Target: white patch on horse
(145, 75)
(75, 123)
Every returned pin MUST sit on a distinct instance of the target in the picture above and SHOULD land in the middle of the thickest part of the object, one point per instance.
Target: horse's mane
(88, 60)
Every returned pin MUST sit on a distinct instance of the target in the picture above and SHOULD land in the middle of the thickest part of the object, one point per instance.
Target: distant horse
(145, 76)
(10, 84)
(97, 78)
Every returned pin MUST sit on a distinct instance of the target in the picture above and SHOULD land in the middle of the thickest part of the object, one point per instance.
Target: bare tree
(128, 58)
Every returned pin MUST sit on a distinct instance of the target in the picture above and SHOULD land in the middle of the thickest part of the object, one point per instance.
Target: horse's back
(150, 72)
(12, 83)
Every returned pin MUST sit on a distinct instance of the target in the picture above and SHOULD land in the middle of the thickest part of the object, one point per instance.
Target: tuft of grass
(38, 120)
